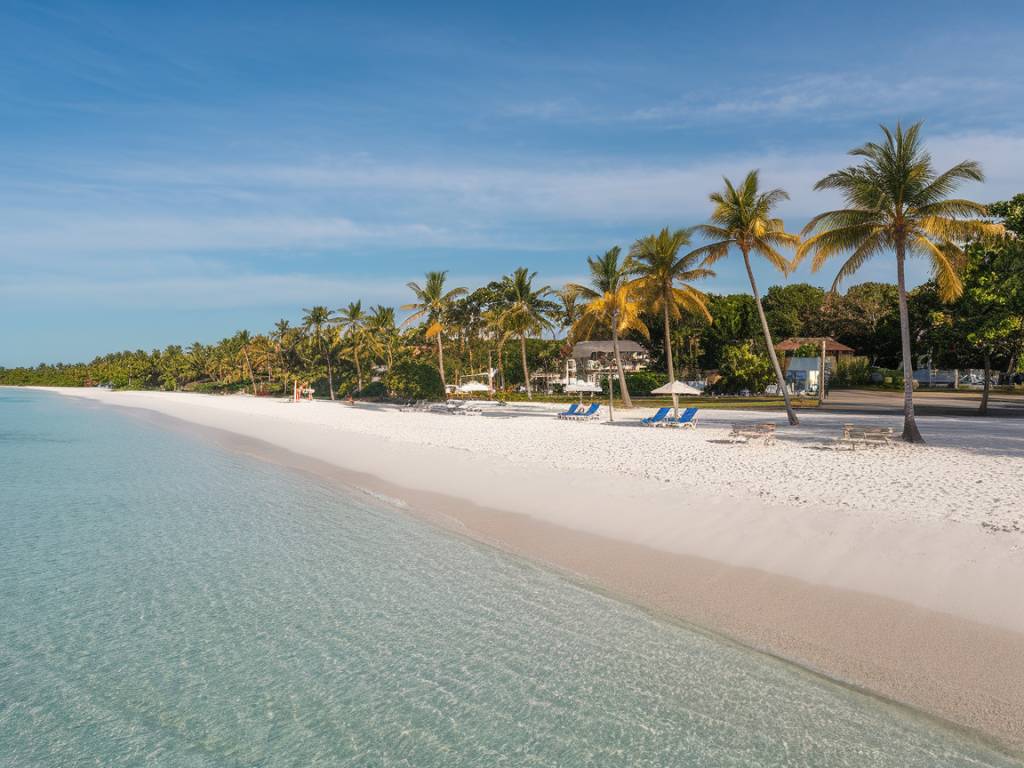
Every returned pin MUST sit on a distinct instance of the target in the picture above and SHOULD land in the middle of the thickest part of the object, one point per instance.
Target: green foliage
(414, 379)
(1011, 212)
(794, 310)
(639, 382)
(375, 390)
(851, 372)
(743, 368)
(807, 350)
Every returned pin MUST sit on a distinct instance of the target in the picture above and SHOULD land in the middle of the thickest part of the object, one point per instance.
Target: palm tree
(899, 203)
(742, 218)
(317, 322)
(660, 269)
(352, 323)
(610, 303)
(433, 303)
(244, 340)
(526, 310)
(382, 325)
(569, 309)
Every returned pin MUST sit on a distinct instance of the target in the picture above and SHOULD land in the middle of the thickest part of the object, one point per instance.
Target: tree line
(896, 203)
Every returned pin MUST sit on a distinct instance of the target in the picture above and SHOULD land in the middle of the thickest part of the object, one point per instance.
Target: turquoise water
(167, 603)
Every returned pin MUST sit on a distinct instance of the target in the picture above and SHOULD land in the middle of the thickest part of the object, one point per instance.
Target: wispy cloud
(821, 96)
(360, 204)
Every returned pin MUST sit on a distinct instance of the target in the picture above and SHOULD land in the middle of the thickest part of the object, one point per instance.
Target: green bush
(851, 372)
(414, 379)
(742, 368)
(373, 390)
(639, 382)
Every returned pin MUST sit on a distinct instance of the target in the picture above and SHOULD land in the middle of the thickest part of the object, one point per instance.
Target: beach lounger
(591, 414)
(747, 432)
(687, 419)
(854, 436)
(573, 410)
(653, 421)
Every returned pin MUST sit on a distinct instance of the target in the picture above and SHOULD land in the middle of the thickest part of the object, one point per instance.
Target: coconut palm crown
(527, 310)
(433, 302)
(317, 321)
(353, 321)
(662, 280)
(898, 203)
(611, 303)
(742, 218)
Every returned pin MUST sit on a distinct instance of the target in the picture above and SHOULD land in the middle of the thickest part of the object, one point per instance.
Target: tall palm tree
(433, 303)
(382, 325)
(526, 311)
(569, 308)
(244, 341)
(899, 203)
(742, 218)
(610, 302)
(352, 322)
(663, 277)
(317, 322)
(282, 329)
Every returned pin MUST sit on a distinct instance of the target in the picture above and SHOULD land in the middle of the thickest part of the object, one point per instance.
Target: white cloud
(826, 97)
(388, 205)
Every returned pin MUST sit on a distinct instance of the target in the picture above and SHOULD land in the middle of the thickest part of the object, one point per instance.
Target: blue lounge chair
(588, 415)
(571, 412)
(652, 421)
(687, 418)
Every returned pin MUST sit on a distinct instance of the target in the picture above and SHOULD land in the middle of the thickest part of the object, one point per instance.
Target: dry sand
(895, 570)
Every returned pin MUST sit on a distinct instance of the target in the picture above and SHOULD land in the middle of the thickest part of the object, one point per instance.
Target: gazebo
(833, 348)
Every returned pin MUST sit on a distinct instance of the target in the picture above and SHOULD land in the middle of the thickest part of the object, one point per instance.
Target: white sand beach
(894, 569)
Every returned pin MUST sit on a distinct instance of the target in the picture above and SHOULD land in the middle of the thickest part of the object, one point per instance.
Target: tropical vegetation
(514, 332)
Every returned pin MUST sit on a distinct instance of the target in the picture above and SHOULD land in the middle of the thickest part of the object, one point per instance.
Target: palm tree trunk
(911, 433)
(791, 415)
(252, 379)
(983, 408)
(330, 372)
(501, 363)
(526, 370)
(440, 363)
(668, 352)
(359, 370)
(626, 401)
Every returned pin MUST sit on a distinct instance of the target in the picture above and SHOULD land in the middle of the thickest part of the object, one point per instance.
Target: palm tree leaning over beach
(898, 203)
(317, 322)
(742, 218)
(610, 302)
(527, 310)
(433, 303)
(662, 279)
(352, 324)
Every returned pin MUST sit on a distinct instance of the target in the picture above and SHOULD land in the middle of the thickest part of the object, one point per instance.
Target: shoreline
(950, 666)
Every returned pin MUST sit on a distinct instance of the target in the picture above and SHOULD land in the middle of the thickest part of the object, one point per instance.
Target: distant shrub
(415, 379)
(373, 390)
(639, 382)
(851, 372)
(741, 369)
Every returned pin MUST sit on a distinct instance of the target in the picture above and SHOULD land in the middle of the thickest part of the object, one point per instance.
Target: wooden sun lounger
(746, 432)
(854, 436)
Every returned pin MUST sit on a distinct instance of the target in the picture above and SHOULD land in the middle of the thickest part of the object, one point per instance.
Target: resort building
(590, 358)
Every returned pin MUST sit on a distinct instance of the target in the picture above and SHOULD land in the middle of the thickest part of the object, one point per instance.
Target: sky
(176, 172)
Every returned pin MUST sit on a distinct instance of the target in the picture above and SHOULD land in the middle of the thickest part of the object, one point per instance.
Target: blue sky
(174, 172)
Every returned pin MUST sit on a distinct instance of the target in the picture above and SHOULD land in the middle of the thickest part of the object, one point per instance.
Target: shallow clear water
(168, 603)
